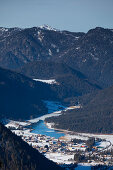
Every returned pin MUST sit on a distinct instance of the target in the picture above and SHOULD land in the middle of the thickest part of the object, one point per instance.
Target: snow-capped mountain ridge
(6, 32)
(79, 51)
(4, 29)
(47, 27)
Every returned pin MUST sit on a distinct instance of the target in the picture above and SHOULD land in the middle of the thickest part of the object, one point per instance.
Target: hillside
(70, 82)
(90, 53)
(15, 154)
(21, 46)
(95, 117)
(81, 63)
(21, 97)
(47, 70)
(93, 56)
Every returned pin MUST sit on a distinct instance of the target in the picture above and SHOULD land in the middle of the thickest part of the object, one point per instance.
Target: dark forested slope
(95, 117)
(15, 154)
(21, 46)
(93, 56)
(71, 82)
(21, 97)
(48, 70)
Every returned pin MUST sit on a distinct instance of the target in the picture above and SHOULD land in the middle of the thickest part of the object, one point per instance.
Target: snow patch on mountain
(52, 81)
(4, 29)
(77, 48)
(47, 27)
(50, 52)
(58, 50)
(53, 45)
(40, 36)
(77, 37)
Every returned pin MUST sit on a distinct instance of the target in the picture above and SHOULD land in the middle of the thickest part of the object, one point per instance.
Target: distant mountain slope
(20, 46)
(21, 97)
(93, 56)
(15, 154)
(91, 53)
(95, 117)
(47, 70)
(71, 82)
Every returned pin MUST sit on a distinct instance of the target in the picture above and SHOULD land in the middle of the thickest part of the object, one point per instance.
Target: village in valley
(69, 149)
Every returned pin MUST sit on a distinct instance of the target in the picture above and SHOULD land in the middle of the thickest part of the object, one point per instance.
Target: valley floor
(62, 150)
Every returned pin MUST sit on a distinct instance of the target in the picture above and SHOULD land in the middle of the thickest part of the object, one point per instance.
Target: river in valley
(41, 128)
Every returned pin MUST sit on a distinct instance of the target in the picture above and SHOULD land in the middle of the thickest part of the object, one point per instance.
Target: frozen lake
(41, 128)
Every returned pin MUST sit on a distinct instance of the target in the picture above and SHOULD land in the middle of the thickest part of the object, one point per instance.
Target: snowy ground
(21, 132)
(60, 157)
(44, 117)
(54, 109)
(16, 124)
(101, 136)
(77, 136)
(105, 145)
(52, 81)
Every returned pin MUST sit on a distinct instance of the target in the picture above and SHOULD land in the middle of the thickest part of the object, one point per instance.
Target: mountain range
(90, 53)
(20, 46)
(81, 64)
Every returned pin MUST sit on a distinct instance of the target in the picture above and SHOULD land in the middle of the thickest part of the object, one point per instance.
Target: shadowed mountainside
(15, 154)
(95, 117)
(21, 97)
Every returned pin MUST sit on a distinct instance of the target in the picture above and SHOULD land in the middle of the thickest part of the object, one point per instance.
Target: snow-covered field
(60, 157)
(44, 117)
(16, 124)
(20, 132)
(76, 136)
(101, 136)
(52, 81)
(103, 144)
